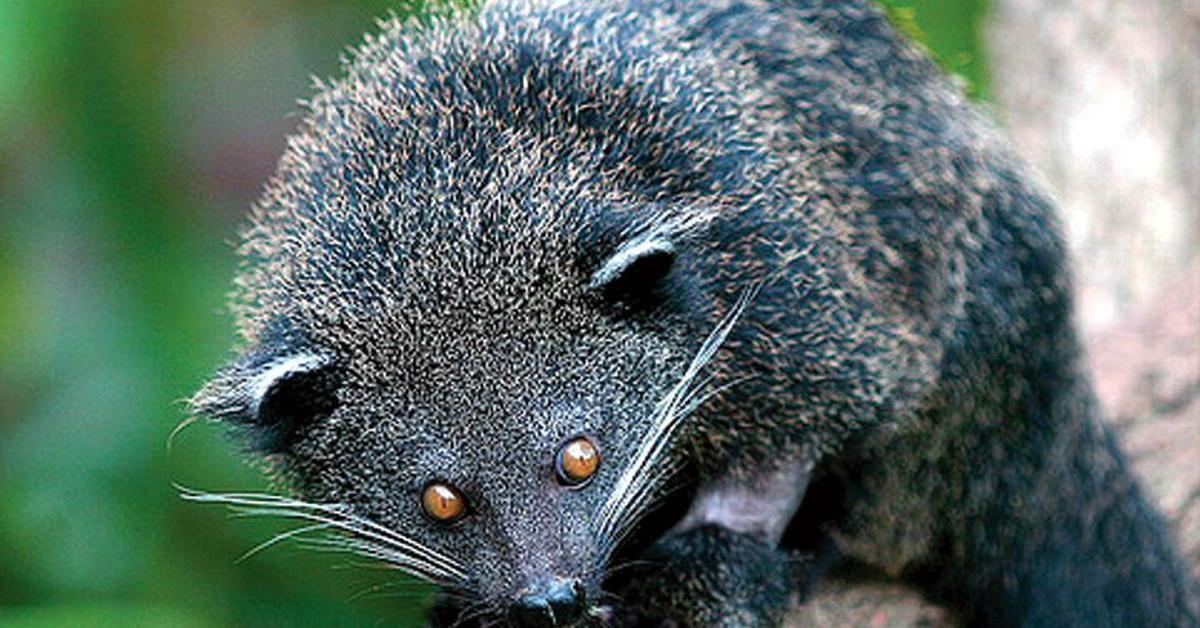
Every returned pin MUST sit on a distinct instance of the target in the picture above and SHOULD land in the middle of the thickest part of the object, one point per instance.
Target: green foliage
(125, 129)
(133, 135)
(951, 32)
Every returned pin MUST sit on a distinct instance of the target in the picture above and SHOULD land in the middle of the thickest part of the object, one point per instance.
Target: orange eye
(443, 502)
(577, 461)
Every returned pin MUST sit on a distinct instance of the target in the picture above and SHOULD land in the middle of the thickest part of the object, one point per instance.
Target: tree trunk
(1103, 97)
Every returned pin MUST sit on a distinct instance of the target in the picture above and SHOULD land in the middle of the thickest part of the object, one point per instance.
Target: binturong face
(480, 299)
(495, 420)
(470, 350)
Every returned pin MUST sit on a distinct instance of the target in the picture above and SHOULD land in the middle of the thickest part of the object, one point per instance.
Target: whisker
(608, 596)
(696, 400)
(251, 504)
(471, 612)
(290, 534)
(415, 566)
(637, 513)
(382, 590)
(349, 532)
(699, 400)
(403, 546)
(667, 417)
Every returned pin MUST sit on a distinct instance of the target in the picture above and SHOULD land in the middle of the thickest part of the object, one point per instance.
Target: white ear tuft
(277, 371)
(629, 254)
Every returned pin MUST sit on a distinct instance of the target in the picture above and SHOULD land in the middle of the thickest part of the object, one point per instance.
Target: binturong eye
(443, 502)
(577, 462)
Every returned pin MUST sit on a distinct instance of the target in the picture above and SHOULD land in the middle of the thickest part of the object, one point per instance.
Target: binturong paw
(710, 576)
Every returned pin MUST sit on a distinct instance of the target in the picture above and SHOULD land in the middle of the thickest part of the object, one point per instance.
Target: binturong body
(615, 313)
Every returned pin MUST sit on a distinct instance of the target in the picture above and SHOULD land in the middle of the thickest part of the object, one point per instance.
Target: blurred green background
(133, 136)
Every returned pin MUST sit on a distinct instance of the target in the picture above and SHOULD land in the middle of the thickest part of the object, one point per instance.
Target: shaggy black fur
(502, 230)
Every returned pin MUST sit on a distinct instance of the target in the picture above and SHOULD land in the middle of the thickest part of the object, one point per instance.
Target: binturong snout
(553, 603)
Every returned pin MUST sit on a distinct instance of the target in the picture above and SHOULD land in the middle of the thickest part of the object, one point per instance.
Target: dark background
(133, 136)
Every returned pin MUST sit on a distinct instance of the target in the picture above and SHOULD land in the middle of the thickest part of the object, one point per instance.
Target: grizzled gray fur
(808, 307)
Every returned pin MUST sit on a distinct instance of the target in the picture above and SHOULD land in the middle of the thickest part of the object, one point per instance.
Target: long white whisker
(646, 488)
(357, 533)
(699, 400)
(267, 504)
(410, 564)
(666, 420)
(629, 518)
(410, 550)
(283, 536)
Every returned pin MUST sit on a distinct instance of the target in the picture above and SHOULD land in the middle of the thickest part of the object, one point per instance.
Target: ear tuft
(271, 397)
(636, 269)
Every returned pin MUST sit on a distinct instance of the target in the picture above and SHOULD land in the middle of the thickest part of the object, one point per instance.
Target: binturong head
(500, 271)
(473, 311)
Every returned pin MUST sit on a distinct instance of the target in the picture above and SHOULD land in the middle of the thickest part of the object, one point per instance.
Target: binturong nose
(557, 603)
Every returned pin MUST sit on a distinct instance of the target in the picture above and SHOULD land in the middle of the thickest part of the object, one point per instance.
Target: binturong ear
(636, 271)
(270, 396)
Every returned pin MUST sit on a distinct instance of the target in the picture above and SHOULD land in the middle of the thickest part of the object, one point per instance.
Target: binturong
(653, 311)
